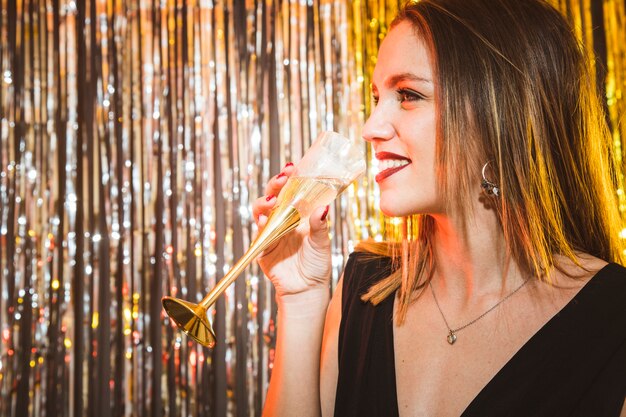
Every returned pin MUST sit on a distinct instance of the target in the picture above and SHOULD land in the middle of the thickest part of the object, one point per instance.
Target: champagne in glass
(307, 193)
(327, 168)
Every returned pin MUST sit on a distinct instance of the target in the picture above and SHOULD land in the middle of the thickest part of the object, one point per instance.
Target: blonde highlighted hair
(513, 88)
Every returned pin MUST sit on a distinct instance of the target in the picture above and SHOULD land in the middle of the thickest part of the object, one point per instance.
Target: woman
(509, 300)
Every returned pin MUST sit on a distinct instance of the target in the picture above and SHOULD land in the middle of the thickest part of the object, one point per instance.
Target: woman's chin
(393, 211)
(399, 210)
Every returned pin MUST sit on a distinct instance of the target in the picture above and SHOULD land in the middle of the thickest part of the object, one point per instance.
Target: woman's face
(401, 127)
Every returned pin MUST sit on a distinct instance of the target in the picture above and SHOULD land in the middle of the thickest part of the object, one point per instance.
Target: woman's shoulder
(572, 278)
(598, 285)
(371, 251)
(366, 265)
(614, 269)
(608, 286)
(580, 270)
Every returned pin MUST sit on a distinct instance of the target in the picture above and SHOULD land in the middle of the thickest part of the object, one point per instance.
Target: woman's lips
(394, 161)
(386, 173)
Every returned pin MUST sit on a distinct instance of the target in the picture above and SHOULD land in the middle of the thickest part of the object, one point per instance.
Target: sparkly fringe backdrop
(134, 136)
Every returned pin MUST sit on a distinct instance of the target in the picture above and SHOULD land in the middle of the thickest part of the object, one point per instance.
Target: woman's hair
(513, 88)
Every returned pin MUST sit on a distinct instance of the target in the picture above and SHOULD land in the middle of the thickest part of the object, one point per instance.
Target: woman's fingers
(263, 205)
(277, 182)
(261, 208)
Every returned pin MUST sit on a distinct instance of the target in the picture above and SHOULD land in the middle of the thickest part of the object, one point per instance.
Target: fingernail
(288, 164)
(282, 174)
(325, 213)
(269, 197)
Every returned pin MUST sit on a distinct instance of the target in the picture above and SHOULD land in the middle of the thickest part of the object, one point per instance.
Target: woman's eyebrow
(406, 76)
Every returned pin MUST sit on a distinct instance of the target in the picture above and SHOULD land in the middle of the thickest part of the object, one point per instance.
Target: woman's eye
(403, 96)
(409, 95)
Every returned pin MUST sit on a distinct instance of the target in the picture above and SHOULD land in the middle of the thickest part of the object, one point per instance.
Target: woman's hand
(299, 264)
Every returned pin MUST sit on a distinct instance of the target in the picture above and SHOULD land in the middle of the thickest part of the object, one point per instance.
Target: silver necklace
(452, 332)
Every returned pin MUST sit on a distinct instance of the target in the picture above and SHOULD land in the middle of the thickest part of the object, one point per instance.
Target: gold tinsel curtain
(134, 136)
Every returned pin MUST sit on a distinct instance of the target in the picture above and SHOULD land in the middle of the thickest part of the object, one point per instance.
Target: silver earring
(489, 187)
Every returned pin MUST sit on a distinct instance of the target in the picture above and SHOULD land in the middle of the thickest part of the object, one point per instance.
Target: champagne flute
(326, 169)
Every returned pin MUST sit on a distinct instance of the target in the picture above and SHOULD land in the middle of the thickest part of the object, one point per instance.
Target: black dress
(575, 365)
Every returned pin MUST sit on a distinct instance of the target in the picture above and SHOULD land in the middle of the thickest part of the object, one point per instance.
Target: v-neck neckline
(532, 344)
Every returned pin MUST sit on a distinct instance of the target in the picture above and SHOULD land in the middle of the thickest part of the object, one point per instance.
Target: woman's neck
(471, 259)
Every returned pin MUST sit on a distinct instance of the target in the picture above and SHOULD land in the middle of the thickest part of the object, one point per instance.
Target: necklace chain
(452, 332)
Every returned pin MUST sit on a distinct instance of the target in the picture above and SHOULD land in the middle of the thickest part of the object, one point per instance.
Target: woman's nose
(378, 126)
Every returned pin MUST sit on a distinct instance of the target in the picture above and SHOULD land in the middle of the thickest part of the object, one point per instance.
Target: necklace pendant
(451, 337)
